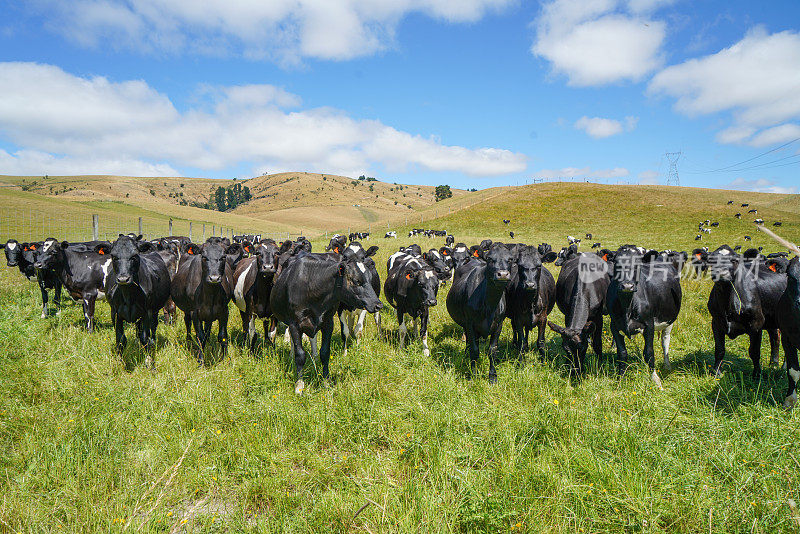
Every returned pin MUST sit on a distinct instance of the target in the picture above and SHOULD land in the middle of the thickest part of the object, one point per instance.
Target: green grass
(87, 446)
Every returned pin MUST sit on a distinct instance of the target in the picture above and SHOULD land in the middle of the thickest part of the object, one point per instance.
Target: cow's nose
(14, 264)
(502, 275)
(215, 279)
(530, 285)
(627, 286)
(431, 302)
(37, 265)
(124, 279)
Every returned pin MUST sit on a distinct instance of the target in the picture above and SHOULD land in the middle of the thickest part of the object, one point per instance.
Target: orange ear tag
(408, 276)
(605, 257)
(475, 253)
(100, 251)
(773, 268)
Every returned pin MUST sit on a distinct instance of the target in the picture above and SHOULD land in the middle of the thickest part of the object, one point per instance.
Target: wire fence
(39, 223)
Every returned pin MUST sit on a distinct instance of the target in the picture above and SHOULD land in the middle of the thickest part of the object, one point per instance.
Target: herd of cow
(286, 283)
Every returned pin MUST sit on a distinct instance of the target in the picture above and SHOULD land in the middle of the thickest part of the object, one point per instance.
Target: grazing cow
(714, 224)
(743, 300)
(82, 271)
(738, 215)
(698, 237)
(777, 223)
(138, 286)
(506, 221)
(581, 291)
(307, 294)
(391, 234)
(530, 297)
(759, 221)
(449, 240)
(351, 320)
(477, 300)
(745, 205)
(752, 211)
(252, 284)
(644, 297)
(411, 288)
(747, 238)
(511, 235)
(596, 245)
(788, 314)
(730, 202)
(202, 288)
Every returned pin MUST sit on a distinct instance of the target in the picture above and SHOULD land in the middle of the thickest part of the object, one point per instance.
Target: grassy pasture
(397, 442)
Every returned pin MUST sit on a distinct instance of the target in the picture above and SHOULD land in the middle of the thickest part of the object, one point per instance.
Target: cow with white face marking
(644, 297)
(46, 278)
(14, 258)
(788, 314)
(411, 287)
(351, 320)
(252, 284)
(138, 286)
(82, 271)
(436, 260)
(744, 300)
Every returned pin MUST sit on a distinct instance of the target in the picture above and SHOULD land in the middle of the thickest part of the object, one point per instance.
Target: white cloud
(35, 163)
(600, 128)
(94, 120)
(599, 42)
(279, 29)
(761, 185)
(757, 80)
(583, 172)
(648, 177)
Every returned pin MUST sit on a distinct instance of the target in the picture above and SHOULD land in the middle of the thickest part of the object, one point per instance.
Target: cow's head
(337, 244)
(419, 285)
(723, 263)
(266, 254)
(357, 291)
(13, 252)
(460, 255)
(501, 265)
(51, 253)
(125, 260)
(436, 260)
(30, 252)
(212, 260)
(529, 266)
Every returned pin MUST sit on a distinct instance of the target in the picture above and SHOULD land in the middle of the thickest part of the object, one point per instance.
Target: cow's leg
(666, 335)
(150, 359)
(597, 337)
(423, 331)
(377, 316)
(792, 372)
(201, 334)
(650, 353)
(492, 352)
(718, 328)
(473, 350)
(416, 330)
(222, 336)
(44, 298)
(344, 324)
(525, 332)
(88, 312)
(325, 347)
(119, 330)
(270, 329)
(313, 342)
(540, 341)
(299, 357)
(401, 320)
(755, 353)
(359, 326)
(57, 295)
(622, 351)
(774, 347)
(187, 320)
(249, 327)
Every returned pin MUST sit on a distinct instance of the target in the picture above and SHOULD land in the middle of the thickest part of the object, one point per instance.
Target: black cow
(351, 320)
(14, 258)
(744, 300)
(307, 294)
(436, 260)
(46, 278)
(477, 301)
(449, 240)
(644, 297)
(581, 291)
(566, 254)
(530, 297)
(138, 286)
(82, 271)
(411, 288)
(337, 244)
(788, 313)
(202, 288)
(738, 215)
(253, 280)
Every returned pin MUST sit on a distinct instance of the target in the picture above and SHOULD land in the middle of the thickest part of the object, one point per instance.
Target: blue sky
(475, 93)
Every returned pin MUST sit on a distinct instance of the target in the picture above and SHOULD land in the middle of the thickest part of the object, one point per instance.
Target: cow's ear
(425, 256)
(549, 257)
(192, 249)
(145, 246)
(405, 282)
(139, 237)
(64, 244)
(778, 265)
(235, 248)
(102, 249)
(372, 250)
(444, 252)
(607, 255)
(32, 246)
(649, 256)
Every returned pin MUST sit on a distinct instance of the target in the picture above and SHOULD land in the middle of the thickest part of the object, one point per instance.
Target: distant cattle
(714, 224)
(202, 288)
(596, 245)
(391, 234)
(252, 286)
(777, 223)
(743, 300)
(307, 294)
(566, 254)
(745, 205)
(358, 236)
(506, 221)
(738, 215)
(477, 300)
(511, 235)
(449, 240)
(759, 221)
(138, 286)
(644, 296)
(411, 288)
(752, 211)
(581, 291)
(530, 296)
(337, 244)
(82, 271)
(588, 236)
(730, 202)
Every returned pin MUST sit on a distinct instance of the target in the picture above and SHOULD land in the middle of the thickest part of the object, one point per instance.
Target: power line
(765, 165)
(756, 157)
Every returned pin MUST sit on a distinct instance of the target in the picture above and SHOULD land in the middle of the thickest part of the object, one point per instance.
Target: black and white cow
(644, 297)
(82, 271)
(202, 288)
(449, 240)
(46, 278)
(411, 288)
(566, 254)
(744, 300)
(581, 291)
(337, 244)
(788, 314)
(390, 235)
(138, 286)
(253, 280)
(477, 300)
(351, 320)
(14, 258)
(530, 297)
(306, 295)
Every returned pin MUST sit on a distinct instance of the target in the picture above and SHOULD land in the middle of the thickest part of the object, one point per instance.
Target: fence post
(95, 227)
(204, 232)
(213, 229)
(140, 226)
(190, 230)
(170, 227)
